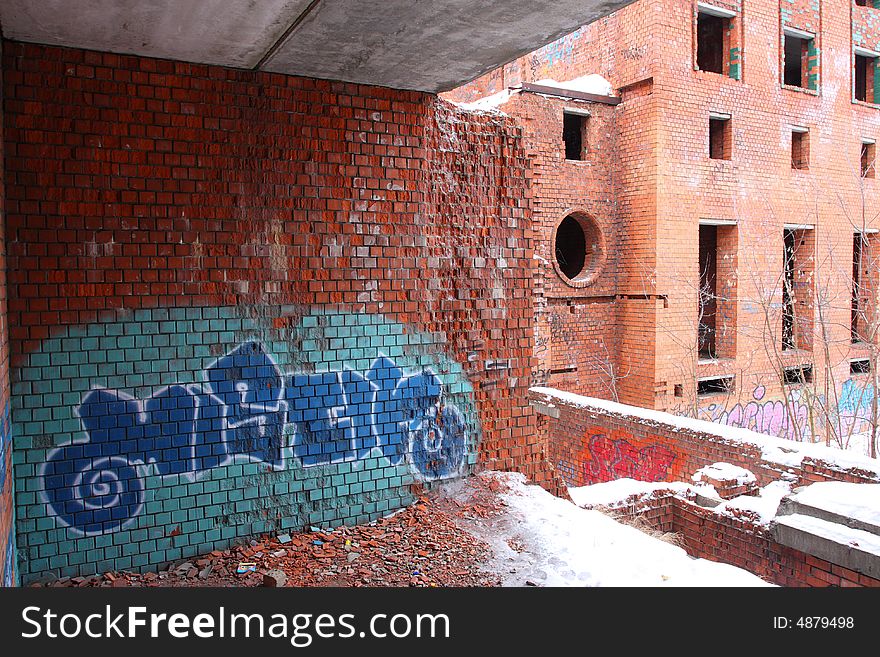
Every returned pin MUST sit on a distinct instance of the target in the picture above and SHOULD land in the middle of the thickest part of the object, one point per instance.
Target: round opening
(578, 249)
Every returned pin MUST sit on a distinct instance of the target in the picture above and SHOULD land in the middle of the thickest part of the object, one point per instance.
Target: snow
(725, 472)
(857, 501)
(832, 531)
(587, 84)
(611, 493)
(860, 443)
(614, 493)
(775, 450)
(488, 103)
(764, 505)
(560, 544)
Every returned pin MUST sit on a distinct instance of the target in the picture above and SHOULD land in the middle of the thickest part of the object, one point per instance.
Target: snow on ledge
(587, 84)
(618, 491)
(857, 501)
(725, 472)
(491, 104)
(774, 450)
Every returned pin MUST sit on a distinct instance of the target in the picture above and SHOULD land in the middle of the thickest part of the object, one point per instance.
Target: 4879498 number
(814, 622)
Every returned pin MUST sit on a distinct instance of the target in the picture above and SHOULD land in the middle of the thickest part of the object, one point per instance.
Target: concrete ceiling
(426, 45)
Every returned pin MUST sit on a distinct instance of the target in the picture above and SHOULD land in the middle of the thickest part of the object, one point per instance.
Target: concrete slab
(847, 504)
(854, 549)
(427, 46)
(430, 46)
(224, 32)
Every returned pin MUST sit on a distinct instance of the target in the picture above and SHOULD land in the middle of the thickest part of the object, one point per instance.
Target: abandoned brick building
(255, 283)
(707, 237)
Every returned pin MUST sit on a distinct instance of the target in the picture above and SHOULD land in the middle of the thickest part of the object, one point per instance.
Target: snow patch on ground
(764, 505)
(549, 541)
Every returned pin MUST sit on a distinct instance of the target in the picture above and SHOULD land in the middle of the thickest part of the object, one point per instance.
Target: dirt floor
(425, 544)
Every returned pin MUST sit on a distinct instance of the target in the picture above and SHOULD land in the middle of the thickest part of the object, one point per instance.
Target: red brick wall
(666, 184)
(589, 443)
(161, 213)
(740, 542)
(7, 530)
(577, 319)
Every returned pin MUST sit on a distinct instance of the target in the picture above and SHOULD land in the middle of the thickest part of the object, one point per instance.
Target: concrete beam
(427, 46)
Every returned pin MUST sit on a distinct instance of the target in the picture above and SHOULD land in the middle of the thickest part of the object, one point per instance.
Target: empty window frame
(797, 375)
(716, 49)
(800, 148)
(860, 366)
(716, 385)
(708, 303)
(867, 158)
(720, 138)
(716, 309)
(864, 284)
(797, 287)
(865, 75)
(800, 59)
(574, 134)
(856, 321)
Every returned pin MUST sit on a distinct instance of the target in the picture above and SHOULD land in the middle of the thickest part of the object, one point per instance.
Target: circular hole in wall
(578, 249)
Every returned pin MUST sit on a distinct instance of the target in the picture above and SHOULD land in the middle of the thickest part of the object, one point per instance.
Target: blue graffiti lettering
(247, 408)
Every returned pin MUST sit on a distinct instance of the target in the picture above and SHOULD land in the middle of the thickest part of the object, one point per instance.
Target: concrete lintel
(800, 34)
(544, 409)
(714, 10)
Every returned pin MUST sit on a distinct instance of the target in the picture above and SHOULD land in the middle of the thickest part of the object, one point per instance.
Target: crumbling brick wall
(575, 319)
(244, 302)
(591, 441)
(738, 541)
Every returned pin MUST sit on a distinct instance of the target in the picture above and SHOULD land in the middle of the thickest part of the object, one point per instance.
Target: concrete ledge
(850, 548)
(793, 506)
(544, 409)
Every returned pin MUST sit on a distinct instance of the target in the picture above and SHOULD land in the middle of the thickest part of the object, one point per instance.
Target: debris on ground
(421, 545)
(487, 530)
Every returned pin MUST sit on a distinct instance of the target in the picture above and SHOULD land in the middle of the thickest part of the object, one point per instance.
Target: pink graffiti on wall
(606, 459)
(768, 417)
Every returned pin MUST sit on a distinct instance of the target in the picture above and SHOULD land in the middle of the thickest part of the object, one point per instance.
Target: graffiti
(765, 416)
(634, 52)
(855, 400)
(5, 448)
(607, 459)
(771, 417)
(854, 407)
(559, 51)
(247, 409)
(9, 562)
